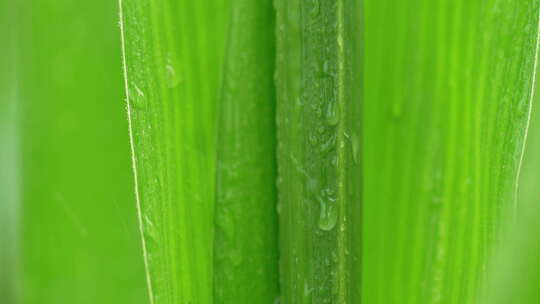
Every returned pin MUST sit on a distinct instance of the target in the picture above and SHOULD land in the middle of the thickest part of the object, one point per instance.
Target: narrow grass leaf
(318, 122)
(446, 103)
(245, 252)
(514, 271)
(172, 59)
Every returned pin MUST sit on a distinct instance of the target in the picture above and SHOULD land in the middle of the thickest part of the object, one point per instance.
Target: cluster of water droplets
(328, 212)
(322, 138)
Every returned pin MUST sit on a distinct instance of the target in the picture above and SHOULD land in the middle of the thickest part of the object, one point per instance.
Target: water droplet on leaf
(172, 77)
(328, 216)
(355, 148)
(138, 100)
(332, 117)
(316, 8)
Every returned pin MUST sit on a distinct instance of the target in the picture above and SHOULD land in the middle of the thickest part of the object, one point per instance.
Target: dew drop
(328, 216)
(312, 186)
(332, 117)
(355, 148)
(328, 145)
(334, 161)
(138, 99)
(148, 221)
(150, 232)
(316, 8)
(326, 67)
(312, 139)
(172, 77)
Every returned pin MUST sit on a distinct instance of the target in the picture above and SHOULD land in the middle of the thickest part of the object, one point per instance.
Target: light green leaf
(173, 53)
(319, 81)
(446, 101)
(514, 271)
(246, 253)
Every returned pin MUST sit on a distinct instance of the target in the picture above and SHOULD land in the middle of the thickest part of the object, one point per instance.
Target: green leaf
(514, 271)
(318, 121)
(78, 218)
(245, 252)
(447, 95)
(173, 56)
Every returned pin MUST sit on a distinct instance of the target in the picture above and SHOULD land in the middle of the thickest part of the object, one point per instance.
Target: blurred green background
(64, 158)
(9, 159)
(68, 227)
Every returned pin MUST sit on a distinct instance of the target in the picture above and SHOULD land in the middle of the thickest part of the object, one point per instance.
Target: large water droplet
(328, 216)
(332, 115)
(172, 77)
(312, 186)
